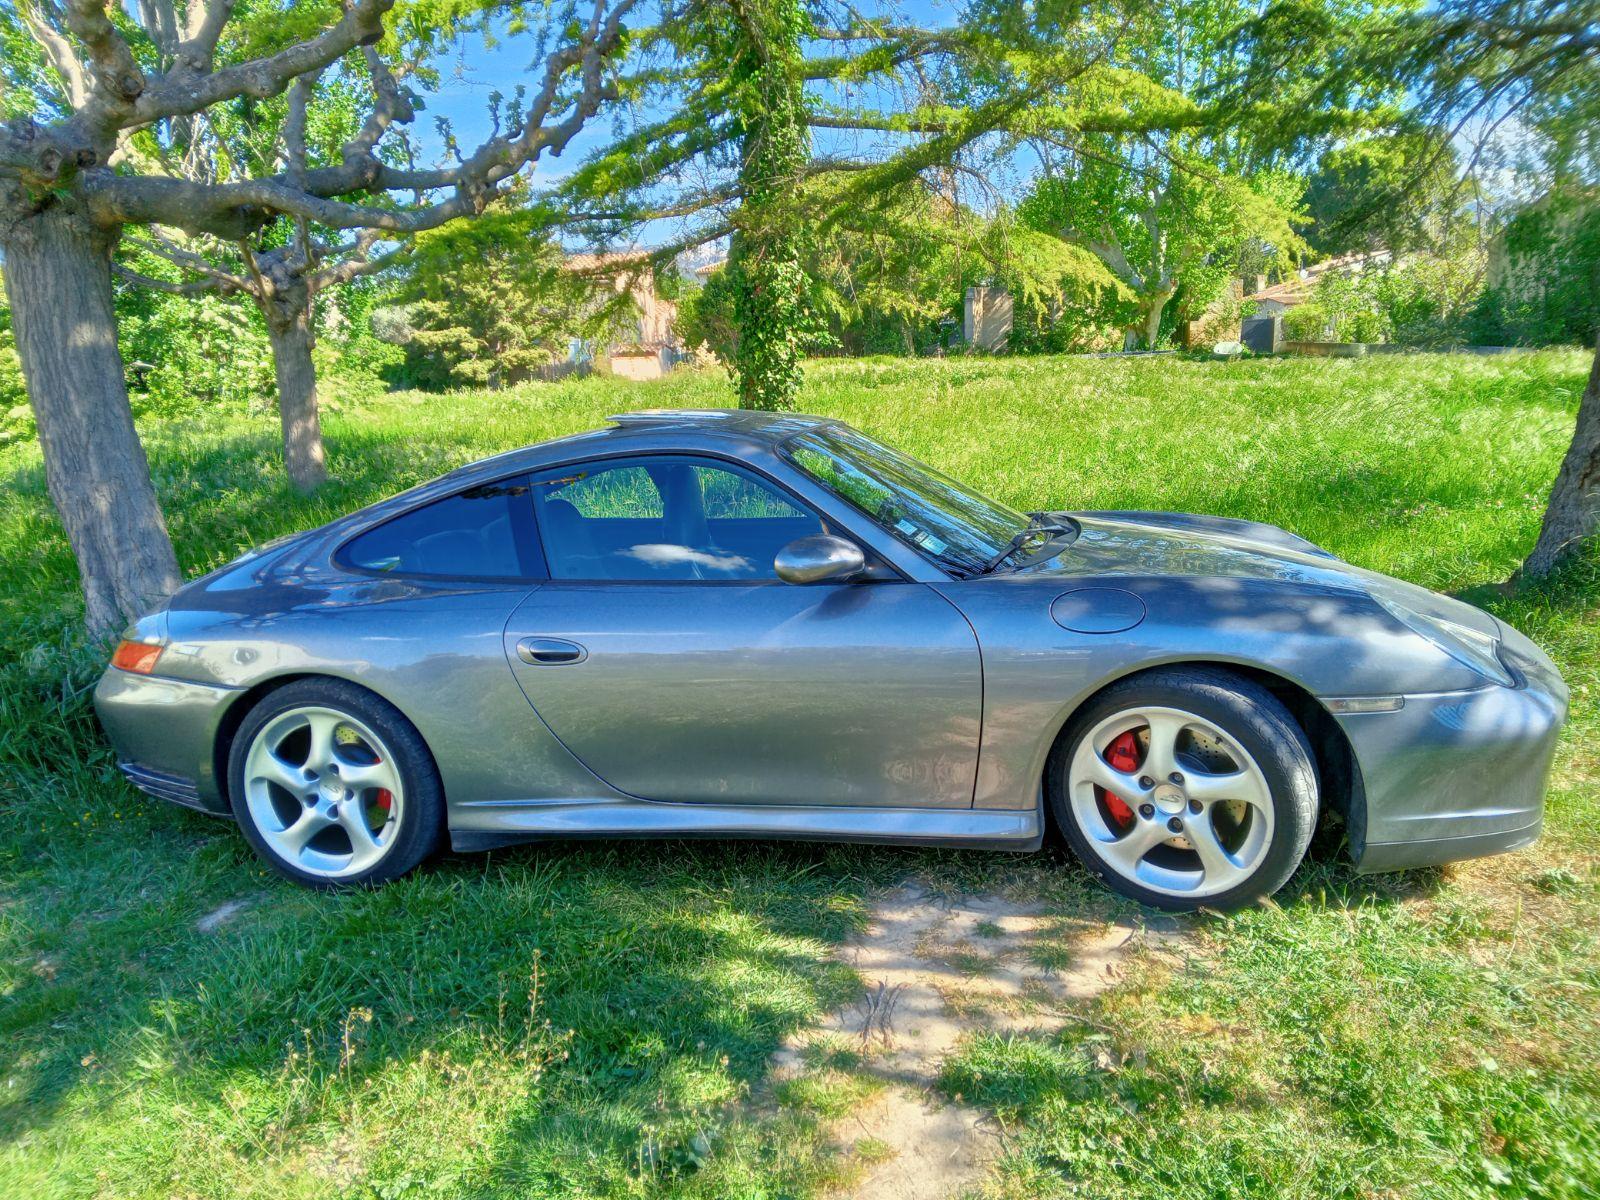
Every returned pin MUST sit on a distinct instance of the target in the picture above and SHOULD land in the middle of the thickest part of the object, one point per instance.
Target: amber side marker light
(138, 657)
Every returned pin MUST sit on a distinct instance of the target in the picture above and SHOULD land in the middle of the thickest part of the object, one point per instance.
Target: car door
(668, 657)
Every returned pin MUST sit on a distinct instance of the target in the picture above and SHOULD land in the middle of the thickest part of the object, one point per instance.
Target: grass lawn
(582, 1020)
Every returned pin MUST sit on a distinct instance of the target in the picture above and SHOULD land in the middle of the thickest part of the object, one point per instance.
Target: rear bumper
(165, 733)
(1456, 775)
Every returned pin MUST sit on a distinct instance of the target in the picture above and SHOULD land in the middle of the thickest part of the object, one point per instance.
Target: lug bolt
(1147, 811)
(1146, 782)
(1174, 824)
(1194, 806)
(1176, 777)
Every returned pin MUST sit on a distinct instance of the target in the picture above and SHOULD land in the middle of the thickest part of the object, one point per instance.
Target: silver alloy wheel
(324, 791)
(1199, 816)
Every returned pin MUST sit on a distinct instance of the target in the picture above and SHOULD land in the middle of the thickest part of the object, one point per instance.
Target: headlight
(1467, 646)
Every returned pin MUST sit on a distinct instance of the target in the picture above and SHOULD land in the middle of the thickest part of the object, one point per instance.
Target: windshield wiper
(1037, 523)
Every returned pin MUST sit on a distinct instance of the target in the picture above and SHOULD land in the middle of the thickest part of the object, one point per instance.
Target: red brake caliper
(384, 799)
(1123, 755)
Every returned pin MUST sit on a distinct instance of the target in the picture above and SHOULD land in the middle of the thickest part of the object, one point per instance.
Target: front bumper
(1456, 775)
(165, 734)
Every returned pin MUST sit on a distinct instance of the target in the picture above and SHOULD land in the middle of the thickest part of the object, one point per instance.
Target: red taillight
(138, 657)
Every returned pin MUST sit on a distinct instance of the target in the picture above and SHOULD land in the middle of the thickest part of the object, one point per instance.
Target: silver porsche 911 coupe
(737, 624)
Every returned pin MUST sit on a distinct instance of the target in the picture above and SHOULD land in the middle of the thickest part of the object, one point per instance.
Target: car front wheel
(1186, 787)
(333, 786)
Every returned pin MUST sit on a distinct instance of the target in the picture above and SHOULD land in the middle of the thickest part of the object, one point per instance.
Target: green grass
(1434, 1034)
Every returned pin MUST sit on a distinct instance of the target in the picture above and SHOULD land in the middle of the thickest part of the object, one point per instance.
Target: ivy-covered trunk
(58, 282)
(764, 260)
(1573, 514)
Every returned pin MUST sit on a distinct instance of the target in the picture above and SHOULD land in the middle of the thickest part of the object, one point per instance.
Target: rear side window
(485, 532)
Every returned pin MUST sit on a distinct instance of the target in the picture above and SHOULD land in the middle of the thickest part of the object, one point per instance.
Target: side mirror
(820, 559)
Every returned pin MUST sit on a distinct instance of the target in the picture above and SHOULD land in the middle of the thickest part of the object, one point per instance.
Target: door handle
(550, 652)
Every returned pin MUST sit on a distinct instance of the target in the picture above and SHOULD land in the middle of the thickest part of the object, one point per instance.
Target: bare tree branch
(63, 58)
(192, 287)
(160, 21)
(391, 106)
(116, 73)
(362, 24)
(207, 18)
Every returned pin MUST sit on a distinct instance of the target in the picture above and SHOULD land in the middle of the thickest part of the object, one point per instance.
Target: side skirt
(486, 826)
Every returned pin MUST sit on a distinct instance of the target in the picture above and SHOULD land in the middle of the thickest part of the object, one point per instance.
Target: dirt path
(936, 971)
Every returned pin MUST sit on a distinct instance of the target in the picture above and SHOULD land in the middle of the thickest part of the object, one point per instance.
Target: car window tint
(734, 497)
(665, 518)
(615, 492)
(485, 532)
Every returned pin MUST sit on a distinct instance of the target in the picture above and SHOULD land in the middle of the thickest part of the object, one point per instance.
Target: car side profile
(727, 623)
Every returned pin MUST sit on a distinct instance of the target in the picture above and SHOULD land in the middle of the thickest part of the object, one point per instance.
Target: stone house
(646, 347)
(1280, 297)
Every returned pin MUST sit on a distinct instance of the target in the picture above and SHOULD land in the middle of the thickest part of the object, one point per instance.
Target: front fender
(1327, 641)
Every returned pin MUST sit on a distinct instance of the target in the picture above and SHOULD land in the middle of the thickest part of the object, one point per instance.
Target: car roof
(653, 429)
(767, 426)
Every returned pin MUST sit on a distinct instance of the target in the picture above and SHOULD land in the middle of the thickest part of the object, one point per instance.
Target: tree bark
(1151, 330)
(288, 316)
(58, 282)
(1573, 515)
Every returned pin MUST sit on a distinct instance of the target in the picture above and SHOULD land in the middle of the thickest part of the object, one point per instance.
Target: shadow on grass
(651, 955)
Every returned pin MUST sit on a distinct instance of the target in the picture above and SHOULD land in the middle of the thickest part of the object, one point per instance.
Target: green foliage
(1172, 205)
(203, 350)
(16, 418)
(489, 302)
(705, 316)
(1421, 299)
(1159, 225)
(888, 276)
(1545, 289)
(29, 87)
(1370, 193)
(183, 354)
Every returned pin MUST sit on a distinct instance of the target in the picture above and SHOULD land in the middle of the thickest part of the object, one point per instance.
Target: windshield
(940, 517)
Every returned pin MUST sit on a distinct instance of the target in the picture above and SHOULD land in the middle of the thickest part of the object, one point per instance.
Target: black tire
(422, 817)
(1247, 712)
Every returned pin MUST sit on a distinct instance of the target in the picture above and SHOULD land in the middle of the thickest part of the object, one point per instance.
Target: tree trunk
(1573, 514)
(289, 330)
(58, 281)
(1155, 306)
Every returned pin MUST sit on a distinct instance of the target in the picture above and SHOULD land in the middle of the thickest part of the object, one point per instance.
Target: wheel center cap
(1170, 798)
(334, 792)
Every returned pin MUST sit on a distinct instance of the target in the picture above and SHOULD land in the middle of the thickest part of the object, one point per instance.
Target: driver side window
(664, 517)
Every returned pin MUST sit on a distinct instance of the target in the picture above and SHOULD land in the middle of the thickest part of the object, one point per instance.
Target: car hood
(1183, 544)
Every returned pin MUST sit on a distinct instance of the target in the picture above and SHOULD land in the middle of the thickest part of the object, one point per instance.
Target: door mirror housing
(819, 559)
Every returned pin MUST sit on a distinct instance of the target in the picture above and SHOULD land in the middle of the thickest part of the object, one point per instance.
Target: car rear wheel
(1186, 787)
(333, 786)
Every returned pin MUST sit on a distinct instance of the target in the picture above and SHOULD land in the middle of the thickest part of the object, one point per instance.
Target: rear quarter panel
(434, 651)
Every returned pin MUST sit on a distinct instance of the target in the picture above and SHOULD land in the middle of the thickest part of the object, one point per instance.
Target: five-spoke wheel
(333, 786)
(1186, 786)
